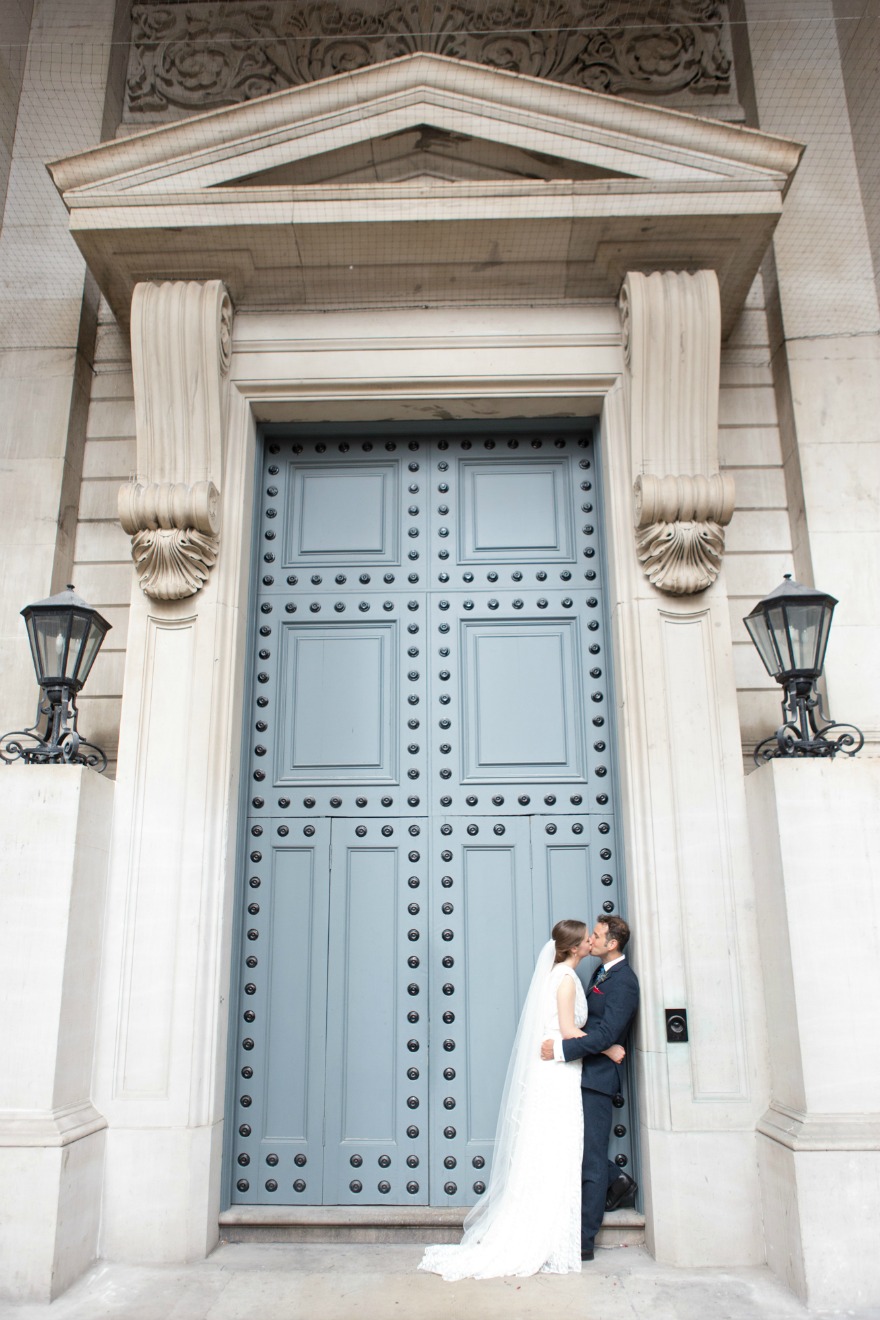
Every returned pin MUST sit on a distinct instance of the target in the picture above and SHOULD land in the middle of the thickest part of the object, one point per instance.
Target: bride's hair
(567, 935)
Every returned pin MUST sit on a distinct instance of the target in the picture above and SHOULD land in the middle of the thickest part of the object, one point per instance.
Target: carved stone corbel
(672, 341)
(181, 339)
(679, 529)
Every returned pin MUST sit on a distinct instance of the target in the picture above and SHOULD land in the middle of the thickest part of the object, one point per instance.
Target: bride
(529, 1218)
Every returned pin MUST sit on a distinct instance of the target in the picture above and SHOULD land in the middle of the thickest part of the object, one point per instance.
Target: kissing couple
(551, 1178)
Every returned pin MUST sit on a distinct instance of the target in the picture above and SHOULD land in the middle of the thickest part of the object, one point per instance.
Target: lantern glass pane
(79, 631)
(763, 639)
(35, 648)
(778, 626)
(92, 644)
(824, 630)
(805, 633)
(49, 633)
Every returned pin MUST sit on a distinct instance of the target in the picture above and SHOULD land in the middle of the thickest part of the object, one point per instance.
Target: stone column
(816, 839)
(48, 309)
(689, 873)
(163, 1019)
(827, 354)
(55, 841)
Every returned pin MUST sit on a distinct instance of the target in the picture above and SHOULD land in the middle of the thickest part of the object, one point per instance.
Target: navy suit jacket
(612, 1007)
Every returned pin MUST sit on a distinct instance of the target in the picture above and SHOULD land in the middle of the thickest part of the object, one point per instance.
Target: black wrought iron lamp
(790, 630)
(65, 636)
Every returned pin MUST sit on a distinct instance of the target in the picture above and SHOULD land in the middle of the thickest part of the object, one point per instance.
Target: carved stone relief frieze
(181, 335)
(200, 55)
(671, 329)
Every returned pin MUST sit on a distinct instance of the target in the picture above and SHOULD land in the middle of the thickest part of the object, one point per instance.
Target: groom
(613, 999)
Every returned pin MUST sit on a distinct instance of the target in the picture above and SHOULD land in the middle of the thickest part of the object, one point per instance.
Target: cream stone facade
(424, 238)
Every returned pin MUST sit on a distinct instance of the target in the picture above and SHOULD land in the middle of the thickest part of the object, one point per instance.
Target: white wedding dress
(529, 1218)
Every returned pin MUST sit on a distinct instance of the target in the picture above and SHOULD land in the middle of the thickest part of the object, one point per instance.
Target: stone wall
(759, 538)
(47, 314)
(15, 22)
(103, 569)
(858, 36)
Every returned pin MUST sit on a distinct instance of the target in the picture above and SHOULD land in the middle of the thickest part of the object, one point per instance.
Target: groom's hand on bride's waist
(547, 1051)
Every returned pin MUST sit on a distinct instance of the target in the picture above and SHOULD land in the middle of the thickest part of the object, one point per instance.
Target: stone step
(389, 1224)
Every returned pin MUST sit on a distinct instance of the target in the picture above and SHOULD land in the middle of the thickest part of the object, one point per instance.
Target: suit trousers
(597, 1171)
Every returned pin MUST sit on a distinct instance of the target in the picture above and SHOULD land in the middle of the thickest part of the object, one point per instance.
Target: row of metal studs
(367, 446)
(447, 962)
(247, 1072)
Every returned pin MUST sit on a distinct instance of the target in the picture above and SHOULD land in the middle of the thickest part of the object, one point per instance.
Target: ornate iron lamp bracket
(53, 738)
(805, 728)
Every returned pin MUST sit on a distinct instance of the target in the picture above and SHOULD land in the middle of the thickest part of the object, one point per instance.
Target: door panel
(343, 695)
(514, 510)
(338, 718)
(279, 1090)
(516, 698)
(482, 955)
(376, 1138)
(342, 510)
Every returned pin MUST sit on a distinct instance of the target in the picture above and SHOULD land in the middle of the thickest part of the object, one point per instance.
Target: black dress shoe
(622, 1189)
(587, 1254)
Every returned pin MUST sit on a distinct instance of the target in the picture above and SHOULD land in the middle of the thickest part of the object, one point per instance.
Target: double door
(430, 787)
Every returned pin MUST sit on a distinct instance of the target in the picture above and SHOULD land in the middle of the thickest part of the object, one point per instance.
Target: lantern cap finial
(796, 591)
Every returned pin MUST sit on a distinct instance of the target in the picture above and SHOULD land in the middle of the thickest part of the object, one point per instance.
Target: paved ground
(287, 1282)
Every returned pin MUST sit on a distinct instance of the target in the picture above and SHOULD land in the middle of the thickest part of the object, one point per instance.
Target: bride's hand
(574, 1034)
(616, 1053)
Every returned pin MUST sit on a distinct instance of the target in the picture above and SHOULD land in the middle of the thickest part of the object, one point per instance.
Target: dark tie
(601, 975)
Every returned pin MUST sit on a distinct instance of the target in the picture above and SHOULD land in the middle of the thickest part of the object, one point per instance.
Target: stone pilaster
(689, 876)
(163, 978)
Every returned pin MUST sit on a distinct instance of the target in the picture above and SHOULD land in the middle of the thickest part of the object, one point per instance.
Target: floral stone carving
(175, 535)
(196, 56)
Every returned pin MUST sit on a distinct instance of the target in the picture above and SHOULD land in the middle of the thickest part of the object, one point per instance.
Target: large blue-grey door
(430, 785)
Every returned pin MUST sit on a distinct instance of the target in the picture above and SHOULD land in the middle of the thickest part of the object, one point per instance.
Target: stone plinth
(816, 839)
(55, 839)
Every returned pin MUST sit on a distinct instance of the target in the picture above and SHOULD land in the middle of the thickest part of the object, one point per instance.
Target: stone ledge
(801, 1131)
(381, 1224)
(49, 1127)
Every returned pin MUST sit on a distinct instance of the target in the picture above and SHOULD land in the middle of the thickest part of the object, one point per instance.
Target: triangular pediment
(422, 152)
(427, 92)
(532, 171)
